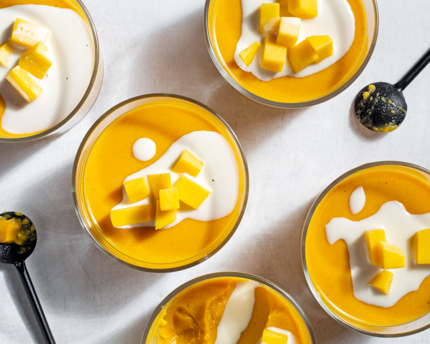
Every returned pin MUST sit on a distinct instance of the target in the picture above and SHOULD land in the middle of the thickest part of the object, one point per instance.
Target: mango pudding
(365, 249)
(228, 308)
(290, 53)
(161, 182)
(49, 61)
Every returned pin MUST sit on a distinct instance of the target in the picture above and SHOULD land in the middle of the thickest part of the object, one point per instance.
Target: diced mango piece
(272, 337)
(322, 45)
(8, 231)
(382, 281)
(422, 240)
(390, 256)
(288, 34)
(303, 8)
(190, 192)
(283, 4)
(301, 56)
(248, 54)
(158, 182)
(188, 163)
(169, 199)
(5, 52)
(373, 237)
(269, 17)
(164, 218)
(35, 60)
(136, 189)
(131, 215)
(24, 84)
(274, 56)
(27, 34)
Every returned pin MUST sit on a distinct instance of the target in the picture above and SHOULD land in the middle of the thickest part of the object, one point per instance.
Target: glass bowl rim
(304, 231)
(87, 93)
(283, 105)
(241, 154)
(243, 275)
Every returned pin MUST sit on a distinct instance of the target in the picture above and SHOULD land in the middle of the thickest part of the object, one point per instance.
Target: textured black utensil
(381, 106)
(17, 254)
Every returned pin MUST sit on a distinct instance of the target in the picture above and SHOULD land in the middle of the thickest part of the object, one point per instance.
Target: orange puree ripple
(111, 160)
(225, 18)
(328, 265)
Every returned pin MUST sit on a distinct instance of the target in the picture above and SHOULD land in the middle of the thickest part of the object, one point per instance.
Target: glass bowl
(155, 317)
(336, 313)
(82, 207)
(372, 15)
(90, 95)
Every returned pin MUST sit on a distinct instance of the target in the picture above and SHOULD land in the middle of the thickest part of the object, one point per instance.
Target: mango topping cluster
(167, 198)
(34, 61)
(280, 22)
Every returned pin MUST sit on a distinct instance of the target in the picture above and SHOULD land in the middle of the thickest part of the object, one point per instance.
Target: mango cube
(274, 56)
(164, 218)
(188, 163)
(382, 281)
(373, 237)
(169, 199)
(27, 34)
(158, 182)
(5, 52)
(422, 240)
(269, 17)
(190, 192)
(35, 60)
(8, 231)
(248, 54)
(136, 189)
(24, 84)
(301, 56)
(131, 215)
(390, 256)
(288, 34)
(304, 9)
(272, 337)
(323, 46)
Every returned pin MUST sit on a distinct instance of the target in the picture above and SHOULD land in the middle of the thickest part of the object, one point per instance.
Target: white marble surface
(158, 46)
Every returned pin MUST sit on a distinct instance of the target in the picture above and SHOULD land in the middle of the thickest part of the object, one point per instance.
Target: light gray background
(158, 46)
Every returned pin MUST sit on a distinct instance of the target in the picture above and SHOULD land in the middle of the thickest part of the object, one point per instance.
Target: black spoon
(381, 106)
(16, 254)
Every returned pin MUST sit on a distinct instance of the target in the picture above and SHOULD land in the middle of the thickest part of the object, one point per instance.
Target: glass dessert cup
(191, 256)
(308, 336)
(90, 95)
(372, 16)
(419, 322)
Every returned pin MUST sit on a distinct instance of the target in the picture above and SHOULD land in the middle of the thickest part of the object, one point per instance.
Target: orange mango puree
(225, 18)
(328, 265)
(70, 4)
(111, 160)
(194, 314)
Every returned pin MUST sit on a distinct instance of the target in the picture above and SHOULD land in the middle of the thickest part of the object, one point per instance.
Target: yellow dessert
(329, 266)
(193, 315)
(422, 246)
(24, 84)
(382, 281)
(35, 60)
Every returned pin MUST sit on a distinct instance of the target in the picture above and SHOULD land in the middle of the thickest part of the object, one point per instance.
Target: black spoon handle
(413, 72)
(34, 300)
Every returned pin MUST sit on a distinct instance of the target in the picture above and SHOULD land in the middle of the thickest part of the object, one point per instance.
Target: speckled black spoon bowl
(381, 106)
(16, 254)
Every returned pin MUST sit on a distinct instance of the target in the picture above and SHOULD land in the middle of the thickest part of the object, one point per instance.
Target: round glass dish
(90, 95)
(353, 322)
(305, 326)
(101, 232)
(372, 15)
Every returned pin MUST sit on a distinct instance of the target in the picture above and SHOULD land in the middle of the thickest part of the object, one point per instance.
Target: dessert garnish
(381, 106)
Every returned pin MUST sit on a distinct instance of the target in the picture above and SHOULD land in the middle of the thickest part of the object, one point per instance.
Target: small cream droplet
(144, 149)
(357, 200)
